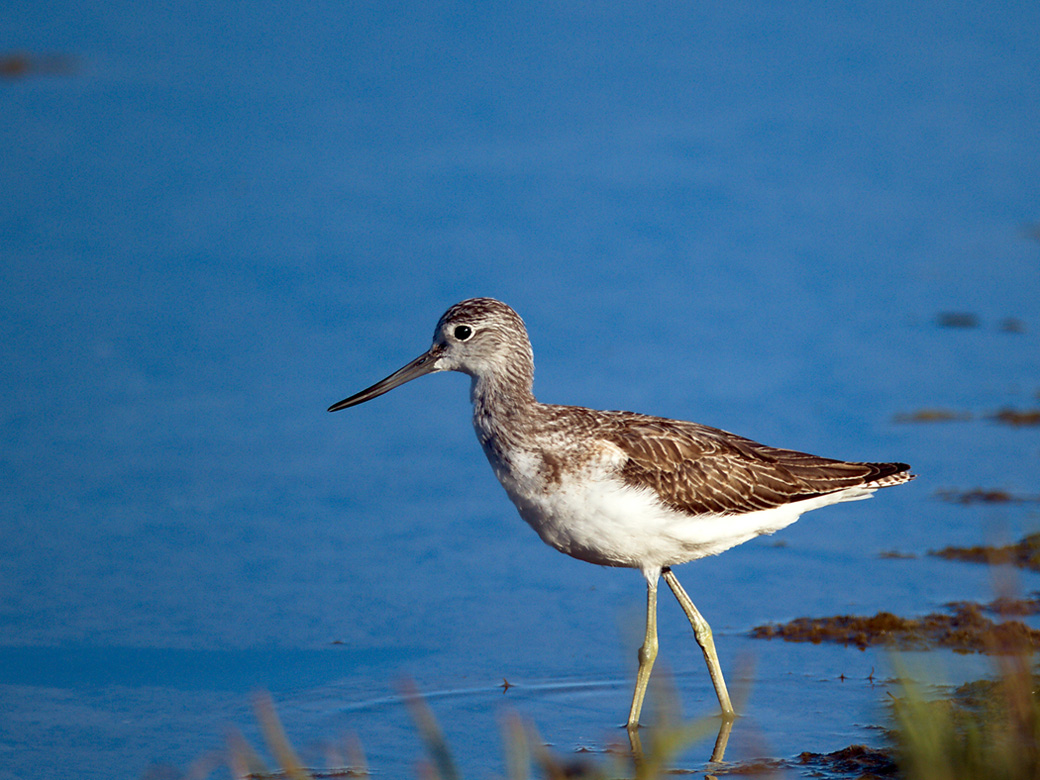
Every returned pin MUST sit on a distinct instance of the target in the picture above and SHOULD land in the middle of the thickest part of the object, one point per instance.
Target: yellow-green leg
(702, 632)
(647, 653)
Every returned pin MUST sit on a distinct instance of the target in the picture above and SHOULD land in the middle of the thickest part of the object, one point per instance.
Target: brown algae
(966, 630)
(1025, 554)
(1017, 418)
(931, 415)
(858, 761)
(984, 496)
(18, 65)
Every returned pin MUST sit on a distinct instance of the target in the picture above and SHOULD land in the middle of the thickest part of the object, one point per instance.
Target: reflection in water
(719, 752)
(670, 740)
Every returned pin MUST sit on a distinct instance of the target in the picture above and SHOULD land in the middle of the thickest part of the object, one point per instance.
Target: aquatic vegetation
(966, 630)
(896, 555)
(1012, 325)
(1024, 554)
(984, 496)
(1018, 418)
(19, 64)
(957, 319)
(931, 414)
(858, 761)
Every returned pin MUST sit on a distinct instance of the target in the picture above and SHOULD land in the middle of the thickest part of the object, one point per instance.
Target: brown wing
(703, 470)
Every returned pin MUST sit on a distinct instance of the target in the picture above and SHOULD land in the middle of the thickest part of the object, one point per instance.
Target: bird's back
(703, 470)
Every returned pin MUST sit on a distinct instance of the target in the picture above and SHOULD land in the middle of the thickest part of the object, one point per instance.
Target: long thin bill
(424, 364)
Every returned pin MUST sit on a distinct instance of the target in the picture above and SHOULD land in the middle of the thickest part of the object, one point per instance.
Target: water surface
(220, 220)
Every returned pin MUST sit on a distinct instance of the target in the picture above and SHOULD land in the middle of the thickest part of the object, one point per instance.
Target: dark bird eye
(463, 332)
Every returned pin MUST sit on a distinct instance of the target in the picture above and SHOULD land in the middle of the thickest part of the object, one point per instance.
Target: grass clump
(987, 729)
(527, 756)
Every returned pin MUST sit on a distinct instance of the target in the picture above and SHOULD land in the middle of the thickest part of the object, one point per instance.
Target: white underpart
(594, 516)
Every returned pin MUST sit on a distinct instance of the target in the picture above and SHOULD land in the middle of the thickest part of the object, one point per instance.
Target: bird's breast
(577, 503)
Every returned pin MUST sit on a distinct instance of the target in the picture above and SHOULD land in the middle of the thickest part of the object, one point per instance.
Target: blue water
(221, 218)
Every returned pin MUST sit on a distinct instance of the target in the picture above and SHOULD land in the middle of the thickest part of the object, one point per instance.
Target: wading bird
(624, 489)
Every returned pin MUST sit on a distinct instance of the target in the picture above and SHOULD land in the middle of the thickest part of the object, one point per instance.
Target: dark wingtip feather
(889, 474)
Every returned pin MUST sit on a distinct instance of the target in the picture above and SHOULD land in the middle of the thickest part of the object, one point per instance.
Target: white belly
(594, 516)
(614, 525)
